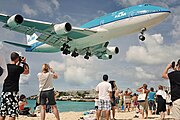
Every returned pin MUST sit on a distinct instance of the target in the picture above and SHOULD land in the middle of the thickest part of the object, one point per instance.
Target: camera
(173, 64)
(21, 59)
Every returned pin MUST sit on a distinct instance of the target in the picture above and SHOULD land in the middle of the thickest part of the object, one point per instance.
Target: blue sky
(137, 63)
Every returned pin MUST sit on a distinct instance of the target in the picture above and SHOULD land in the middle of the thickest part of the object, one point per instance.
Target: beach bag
(38, 99)
(141, 97)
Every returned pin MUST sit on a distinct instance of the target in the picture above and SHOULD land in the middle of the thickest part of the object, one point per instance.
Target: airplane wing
(47, 30)
(18, 44)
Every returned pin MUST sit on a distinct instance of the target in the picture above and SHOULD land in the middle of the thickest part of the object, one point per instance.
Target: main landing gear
(88, 54)
(74, 53)
(65, 49)
(141, 36)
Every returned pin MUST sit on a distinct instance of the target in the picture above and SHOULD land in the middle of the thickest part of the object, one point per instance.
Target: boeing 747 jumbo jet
(89, 39)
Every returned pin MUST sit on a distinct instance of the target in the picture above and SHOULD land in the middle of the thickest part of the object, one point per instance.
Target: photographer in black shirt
(10, 95)
(174, 78)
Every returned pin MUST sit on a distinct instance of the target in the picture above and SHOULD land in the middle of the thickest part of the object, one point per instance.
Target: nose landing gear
(141, 36)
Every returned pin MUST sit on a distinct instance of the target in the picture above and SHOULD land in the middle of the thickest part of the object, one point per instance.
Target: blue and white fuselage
(116, 24)
(92, 36)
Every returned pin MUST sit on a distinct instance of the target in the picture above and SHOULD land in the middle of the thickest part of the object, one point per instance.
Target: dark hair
(22, 97)
(160, 87)
(105, 77)
(166, 91)
(178, 63)
(152, 89)
(112, 84)
(14, 56)
(145, 86)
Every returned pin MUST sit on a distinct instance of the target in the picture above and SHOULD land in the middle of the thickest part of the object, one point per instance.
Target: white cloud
(46, 6)
(24, 79)
(128, 2)
(28, 11)
(152, 51)
(77, 75)
(57, 66)
(56, 3)
(143, 75)
(176, 22)
(75, 70)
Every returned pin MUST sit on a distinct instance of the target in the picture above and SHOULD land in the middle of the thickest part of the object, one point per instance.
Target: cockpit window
(146, 4)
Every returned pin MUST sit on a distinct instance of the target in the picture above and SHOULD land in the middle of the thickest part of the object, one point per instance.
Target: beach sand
(77, 115)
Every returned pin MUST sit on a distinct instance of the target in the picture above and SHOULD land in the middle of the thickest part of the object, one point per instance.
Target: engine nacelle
(15, 20)
(112, 50)
(106, 57)
(63, 28)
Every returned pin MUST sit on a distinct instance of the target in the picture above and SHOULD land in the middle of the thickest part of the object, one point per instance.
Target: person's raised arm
(139, 89)
(130, 91)
(165, 72)
(25, 66)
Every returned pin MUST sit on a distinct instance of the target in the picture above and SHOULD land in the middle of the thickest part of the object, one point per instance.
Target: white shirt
(162, 93)
(45, 81)
(104, 88)
(96, 102)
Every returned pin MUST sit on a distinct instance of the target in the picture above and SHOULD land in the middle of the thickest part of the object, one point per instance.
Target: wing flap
(17, 44)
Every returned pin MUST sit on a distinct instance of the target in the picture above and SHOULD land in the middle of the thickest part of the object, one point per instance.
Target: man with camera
(174, 78)
(9, 95)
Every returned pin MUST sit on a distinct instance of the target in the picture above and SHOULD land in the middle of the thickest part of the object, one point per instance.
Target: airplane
(90, 39)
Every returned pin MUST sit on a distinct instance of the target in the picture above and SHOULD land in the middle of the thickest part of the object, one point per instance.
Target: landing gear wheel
(74, 54)
(142, 38)
(66, 51)
(86, 57)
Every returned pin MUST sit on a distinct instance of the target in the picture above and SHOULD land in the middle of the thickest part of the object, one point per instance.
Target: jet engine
(106, 57)
(112, 50)
(15, 20)
(62, 28)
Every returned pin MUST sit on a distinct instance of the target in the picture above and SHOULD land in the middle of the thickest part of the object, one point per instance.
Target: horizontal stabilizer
(18, 44)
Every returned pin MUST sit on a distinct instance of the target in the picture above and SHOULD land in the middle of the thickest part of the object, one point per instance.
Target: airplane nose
(165, 14)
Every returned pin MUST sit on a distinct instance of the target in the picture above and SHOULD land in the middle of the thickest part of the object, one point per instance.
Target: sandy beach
(77, 115)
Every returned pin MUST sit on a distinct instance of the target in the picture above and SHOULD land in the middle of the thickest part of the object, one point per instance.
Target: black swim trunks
(9, 104)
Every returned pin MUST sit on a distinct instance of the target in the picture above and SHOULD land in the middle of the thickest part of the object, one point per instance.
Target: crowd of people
(145, 100)
(109, 96)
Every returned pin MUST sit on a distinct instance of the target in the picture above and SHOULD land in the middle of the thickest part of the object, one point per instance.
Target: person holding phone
(174, 78)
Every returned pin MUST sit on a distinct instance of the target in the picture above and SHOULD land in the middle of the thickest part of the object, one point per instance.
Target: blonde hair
(45, 68)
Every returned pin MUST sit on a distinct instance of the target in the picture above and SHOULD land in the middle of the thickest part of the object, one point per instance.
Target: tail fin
(31, 39)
